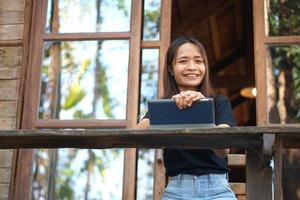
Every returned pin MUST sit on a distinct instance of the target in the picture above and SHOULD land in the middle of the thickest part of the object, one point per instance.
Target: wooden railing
(262, 144)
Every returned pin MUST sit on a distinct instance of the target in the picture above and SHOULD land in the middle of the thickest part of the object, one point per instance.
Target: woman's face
(188, 67)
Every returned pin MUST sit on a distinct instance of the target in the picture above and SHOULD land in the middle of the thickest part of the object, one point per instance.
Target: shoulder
(223, 111)
(221, 100)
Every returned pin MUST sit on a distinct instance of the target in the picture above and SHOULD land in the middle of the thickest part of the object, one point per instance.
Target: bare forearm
(222, 153)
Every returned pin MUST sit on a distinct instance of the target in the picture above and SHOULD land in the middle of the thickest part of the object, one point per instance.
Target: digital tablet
(164, 113)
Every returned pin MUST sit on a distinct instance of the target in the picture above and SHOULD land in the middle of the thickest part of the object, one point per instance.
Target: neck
(183, 89)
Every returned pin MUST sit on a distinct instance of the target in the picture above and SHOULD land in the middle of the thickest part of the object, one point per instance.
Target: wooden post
(258, 176)
(278, 168)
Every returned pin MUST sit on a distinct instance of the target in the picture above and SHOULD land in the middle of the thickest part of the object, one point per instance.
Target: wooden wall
(11, 59)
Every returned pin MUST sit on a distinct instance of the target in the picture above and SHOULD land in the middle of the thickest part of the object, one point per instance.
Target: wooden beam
(260, 60)
(282, 40)
(230, 82)
(150, 44)
(86, 36)
(228, 60)
(278, 167)
(236, 160)
(90, 123)
(123, 138)
(258, 178)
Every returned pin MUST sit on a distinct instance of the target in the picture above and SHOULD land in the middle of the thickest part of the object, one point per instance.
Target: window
(83, 72)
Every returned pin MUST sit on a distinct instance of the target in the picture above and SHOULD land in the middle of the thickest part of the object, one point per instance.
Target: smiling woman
(201, 173)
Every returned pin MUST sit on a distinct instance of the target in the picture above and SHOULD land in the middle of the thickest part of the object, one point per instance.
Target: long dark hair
(170, 86)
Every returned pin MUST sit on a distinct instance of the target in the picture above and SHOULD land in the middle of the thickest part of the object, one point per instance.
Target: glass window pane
(151, 19)
(283, 80)
(77, 174)
(283, 17)
(145, 174)
(149, 77)
(66, 16)
(84, 80)
(148, 90)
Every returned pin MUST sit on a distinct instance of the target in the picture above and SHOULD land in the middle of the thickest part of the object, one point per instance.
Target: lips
(191, 75)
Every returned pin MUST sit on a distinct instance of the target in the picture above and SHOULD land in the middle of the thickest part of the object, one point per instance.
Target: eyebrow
(183, 57)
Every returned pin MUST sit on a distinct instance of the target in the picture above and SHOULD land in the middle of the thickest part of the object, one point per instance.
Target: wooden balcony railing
(262, 143)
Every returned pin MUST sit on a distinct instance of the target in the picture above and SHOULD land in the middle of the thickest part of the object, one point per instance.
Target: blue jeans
(204, 187)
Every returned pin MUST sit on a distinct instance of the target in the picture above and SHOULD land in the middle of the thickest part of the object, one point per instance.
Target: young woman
(194, 174)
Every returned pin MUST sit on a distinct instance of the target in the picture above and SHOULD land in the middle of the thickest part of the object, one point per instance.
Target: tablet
(164, 113)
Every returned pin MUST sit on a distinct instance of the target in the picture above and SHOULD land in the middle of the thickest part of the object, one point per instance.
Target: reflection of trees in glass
(54, 174)
(151, 20)
(79, 16)
(145, 174)
(283, 20)
(149, 78)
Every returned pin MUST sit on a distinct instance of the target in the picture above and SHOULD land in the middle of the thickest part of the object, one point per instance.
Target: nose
(192, 66)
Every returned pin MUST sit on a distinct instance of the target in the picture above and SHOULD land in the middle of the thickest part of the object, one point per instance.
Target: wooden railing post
(258, 176)
(278, 195)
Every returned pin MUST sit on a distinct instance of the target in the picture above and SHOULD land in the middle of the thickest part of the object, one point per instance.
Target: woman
(202, 173)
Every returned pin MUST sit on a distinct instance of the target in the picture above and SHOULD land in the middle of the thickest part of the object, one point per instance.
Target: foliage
(284, 20)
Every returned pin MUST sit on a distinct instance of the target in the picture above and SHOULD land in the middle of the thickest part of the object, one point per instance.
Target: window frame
(31, 83)
(261, 42)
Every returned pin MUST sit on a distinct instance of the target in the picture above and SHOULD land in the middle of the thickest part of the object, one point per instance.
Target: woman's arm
(222, 153)
(143, 124)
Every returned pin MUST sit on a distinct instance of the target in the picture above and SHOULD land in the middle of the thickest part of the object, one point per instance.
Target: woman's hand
(186, 99)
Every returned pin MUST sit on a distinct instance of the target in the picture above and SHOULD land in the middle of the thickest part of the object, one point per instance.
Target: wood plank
(6, 5)
(10, 72)
(9, 83)
(9, 93)
(11, 32)
(7, 123)
(282, 40)
(215, 37)
(90, 123)
(8, 109)
(5, 175)
(4, 189)
(86, 36)
(6, 158)
(150, 44)
(238, 188)
(159, 175)
(11, 17)
(130, 159)
(165, 37)
(128, 138)
(260, 67)
(10, 56)
(278, 193)
(258, 177)
(236, 160)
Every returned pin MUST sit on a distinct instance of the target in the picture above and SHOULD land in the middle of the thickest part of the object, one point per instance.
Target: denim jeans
(204, 187)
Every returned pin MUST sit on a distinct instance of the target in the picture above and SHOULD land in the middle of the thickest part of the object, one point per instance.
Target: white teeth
(191, 75)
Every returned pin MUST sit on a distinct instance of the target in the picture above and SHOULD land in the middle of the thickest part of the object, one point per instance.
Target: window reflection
(149, 79)
(283, 65)
(84, 80)
(151, 19)
(66, 16)
(283, 17)
(77, 174)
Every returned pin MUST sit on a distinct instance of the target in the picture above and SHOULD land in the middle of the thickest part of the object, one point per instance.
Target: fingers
(186, 99)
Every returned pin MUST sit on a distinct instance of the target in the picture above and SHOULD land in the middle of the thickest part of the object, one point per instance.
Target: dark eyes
(185, 61)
